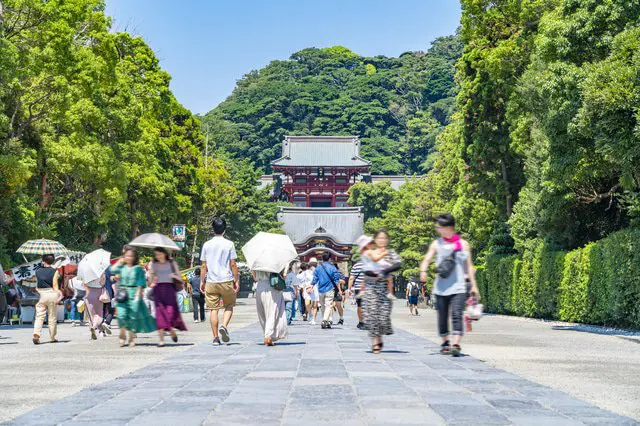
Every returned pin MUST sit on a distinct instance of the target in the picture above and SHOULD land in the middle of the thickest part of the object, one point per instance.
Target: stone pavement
(319, 377)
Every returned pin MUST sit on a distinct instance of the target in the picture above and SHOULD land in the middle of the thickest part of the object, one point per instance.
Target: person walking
(133, 316)
(162, 275)
(79, 292)
(219, 279)
(338, 297)
(325, 280)
(356, 278)
(304, 281)
(453, 264)
(302, 303)
(291, 282)
(270, 305)
(47, 285)
(94, 306)
(197, 296)
(4, 305)
(108, 308)
(412, 293)
(378, 286)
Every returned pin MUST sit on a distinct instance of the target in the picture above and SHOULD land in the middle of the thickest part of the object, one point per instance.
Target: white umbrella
(153, 240)
(269, 252)
(93, 265)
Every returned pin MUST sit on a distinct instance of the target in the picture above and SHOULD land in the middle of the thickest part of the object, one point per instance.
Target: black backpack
(415, 290)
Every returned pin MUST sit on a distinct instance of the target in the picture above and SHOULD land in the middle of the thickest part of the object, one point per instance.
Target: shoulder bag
(276, 282)
(447, 266)
(336, 295)
(179, 286)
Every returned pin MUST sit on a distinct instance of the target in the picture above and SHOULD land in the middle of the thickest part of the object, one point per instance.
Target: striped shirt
(356, 272)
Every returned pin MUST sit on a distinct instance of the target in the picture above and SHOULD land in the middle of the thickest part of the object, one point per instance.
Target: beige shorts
(213, 292)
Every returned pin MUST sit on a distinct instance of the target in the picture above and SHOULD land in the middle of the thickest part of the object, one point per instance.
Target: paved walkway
(319, 376)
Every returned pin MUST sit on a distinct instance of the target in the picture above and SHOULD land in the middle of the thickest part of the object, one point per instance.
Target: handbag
(277, 282)
(104, 296)
(122, 295)
(178, 284)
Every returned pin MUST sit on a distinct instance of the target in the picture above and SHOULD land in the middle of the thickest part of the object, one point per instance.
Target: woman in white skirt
(270, 304)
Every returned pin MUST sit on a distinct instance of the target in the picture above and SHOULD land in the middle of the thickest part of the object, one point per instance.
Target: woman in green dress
(132, 312)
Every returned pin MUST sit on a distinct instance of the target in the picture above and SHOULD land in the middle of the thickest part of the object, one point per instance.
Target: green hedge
(596, 284)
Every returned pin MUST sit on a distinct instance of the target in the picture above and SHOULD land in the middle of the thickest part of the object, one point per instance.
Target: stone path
(319, 377)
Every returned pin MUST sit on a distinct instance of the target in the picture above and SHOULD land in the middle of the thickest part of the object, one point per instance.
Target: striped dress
(377, 305)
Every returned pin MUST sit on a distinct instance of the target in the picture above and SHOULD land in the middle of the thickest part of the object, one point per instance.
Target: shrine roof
(343, 225)
(321, 151)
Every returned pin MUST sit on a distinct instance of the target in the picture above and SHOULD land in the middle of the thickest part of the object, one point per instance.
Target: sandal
(377, 348)
(455, 351)
(445, 348)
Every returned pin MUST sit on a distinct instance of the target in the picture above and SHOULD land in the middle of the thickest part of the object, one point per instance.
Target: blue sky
(207, 45)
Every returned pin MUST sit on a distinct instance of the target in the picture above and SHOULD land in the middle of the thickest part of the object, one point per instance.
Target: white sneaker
(313, 321)
(196, 320)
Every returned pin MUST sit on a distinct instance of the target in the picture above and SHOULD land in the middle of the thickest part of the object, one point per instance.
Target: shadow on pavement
(8, 343)
(167, 345)
(596, 330)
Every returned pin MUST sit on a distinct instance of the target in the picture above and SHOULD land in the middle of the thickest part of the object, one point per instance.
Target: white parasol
(93, 265)
(269, 252)
(153, 240)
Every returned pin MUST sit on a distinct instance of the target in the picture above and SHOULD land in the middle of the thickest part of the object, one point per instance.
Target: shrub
(598, 283)
(574, 301)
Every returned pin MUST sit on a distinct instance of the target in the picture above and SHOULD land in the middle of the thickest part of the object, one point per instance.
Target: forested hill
(396, 105)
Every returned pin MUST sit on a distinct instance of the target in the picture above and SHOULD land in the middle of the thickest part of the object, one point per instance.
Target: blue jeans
(73, 312)
(290, 307)
(294, 306)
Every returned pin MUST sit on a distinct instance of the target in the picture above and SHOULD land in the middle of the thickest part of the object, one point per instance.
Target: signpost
(180, 233)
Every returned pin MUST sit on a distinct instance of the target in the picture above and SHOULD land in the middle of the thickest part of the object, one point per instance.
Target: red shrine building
(314, 174)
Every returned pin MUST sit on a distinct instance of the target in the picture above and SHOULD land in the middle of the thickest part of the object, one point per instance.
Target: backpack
(415, 290)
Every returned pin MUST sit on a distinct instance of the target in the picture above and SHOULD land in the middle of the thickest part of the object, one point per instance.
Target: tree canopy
(396, 105)
(94, 148)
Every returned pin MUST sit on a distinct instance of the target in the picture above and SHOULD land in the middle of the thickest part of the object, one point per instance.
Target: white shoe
(196, 320)
(313, 321)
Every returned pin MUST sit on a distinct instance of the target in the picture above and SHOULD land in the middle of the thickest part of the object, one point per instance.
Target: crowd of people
(316, 289)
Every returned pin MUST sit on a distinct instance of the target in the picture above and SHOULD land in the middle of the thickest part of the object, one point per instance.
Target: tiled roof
(342, 224)
(316, 151)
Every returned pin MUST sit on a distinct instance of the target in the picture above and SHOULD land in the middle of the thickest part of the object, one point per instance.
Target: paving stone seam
(501, 411)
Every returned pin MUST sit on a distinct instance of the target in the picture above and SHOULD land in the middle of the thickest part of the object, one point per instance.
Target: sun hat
(313, 260)
(363, 241)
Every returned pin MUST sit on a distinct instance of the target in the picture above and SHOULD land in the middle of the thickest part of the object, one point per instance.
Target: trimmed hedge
(596, 284)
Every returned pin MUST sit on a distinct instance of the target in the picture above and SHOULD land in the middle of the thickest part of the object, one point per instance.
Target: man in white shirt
(219, 279)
